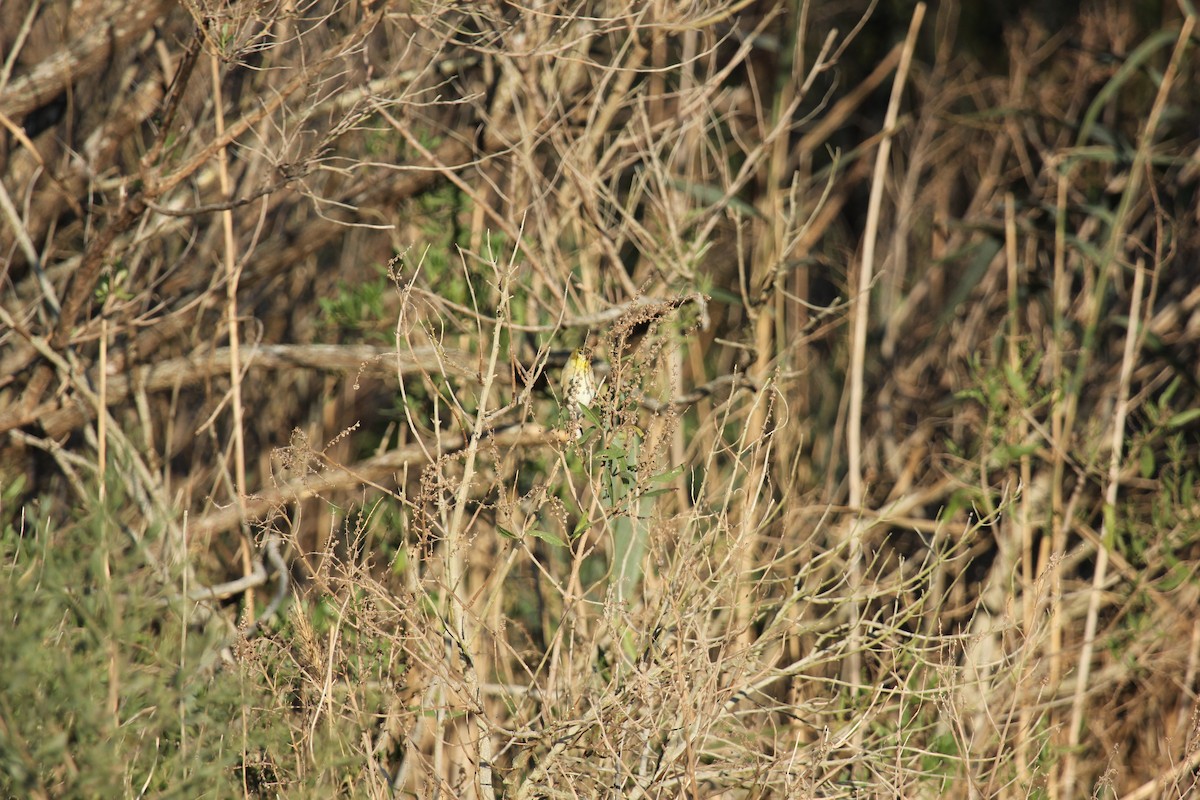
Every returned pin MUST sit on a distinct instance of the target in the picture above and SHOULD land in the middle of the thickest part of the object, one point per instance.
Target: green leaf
(506, 533)
(1146, 467)
(1183, 418)
(547, 537)
(591, 414)
(670, 475)
(581, 527)
(981, 254)
(1016, 382)
(726, 297)
(1169, 392)
(1127, 71)
(715, 196)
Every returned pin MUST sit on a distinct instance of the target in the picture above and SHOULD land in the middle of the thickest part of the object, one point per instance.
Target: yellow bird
(578, 382)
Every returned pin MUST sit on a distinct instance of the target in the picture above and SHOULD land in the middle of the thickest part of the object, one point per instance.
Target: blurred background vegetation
(889, 489)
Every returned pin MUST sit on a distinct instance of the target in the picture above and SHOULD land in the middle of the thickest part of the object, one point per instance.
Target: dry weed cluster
(889, 489)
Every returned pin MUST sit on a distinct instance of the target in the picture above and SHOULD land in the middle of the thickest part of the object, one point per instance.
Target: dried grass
(289, 506)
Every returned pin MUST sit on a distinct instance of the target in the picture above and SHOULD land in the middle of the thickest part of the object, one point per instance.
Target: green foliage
(440, 263)
(100, 691)
(358, 307)
(10, 508)
(111, 689)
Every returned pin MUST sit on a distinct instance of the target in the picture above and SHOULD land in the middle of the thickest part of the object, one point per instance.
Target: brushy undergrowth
(888, 490)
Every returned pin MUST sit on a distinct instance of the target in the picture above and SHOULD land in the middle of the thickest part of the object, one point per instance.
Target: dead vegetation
(889, 489)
